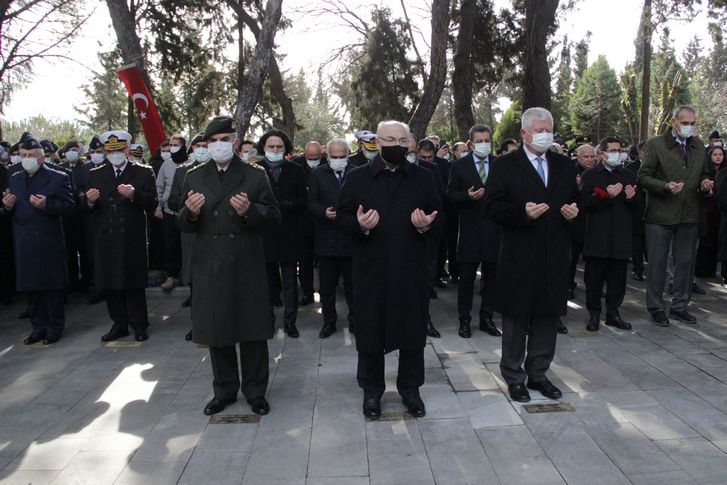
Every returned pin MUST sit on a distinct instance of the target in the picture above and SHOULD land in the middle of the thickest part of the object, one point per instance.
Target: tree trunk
(277, 87)
(462, 75)
(437, 70)
(648, 27)
(250, 95)
(124, 24)
(539, 19)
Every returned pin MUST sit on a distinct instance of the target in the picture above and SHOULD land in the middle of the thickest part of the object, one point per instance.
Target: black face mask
(180, 156)
(395, 155)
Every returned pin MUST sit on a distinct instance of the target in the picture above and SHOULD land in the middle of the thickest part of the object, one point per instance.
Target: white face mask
(483, 149)
(174, 149)
(167, 156)
(30, 165)
(221, 151)
(369, 155)
(274, 156)
(246, 156)
(463, 154)
(613, 159)
(685, 131)
(338, 164)
(15, 159)
(71, 156)
(542, 141)
(97, 158)
(201, 154)
(116, 158)
(313, 163)
(135, 160)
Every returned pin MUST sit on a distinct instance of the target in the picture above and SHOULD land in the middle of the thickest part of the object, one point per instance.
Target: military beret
(30, 143)
(582, 140)
(25, 136)
(95, 143)
(220, 124)
(15, 147)
(48, 146)
(69, 145)
(197, 138)
(714, 134)
(136, 150)
(5, 144)
(115, 140)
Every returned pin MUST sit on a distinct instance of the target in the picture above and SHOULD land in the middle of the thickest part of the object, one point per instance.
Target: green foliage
(708, 87)
(509, 126)
(317, 119)
(563, 92)
(42, 128)
(581, 57)
(594, 108)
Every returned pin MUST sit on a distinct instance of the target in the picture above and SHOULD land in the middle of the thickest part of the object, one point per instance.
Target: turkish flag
(144, 104)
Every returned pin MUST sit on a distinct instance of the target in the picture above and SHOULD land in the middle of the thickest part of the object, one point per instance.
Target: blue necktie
(541, 170)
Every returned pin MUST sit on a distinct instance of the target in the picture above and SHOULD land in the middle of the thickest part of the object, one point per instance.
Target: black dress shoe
(24, 314)
(546, 388)
(660, 319)
(432, 294)
(414, 406)
(327, 330)
(259, 405)
(292, 331)
(306, 300)
(465, 331)
(187, 302)
(639, 276)
(432, 331)
(698, 290)
(217, 405)
(33, 338)
(562, 329)
(618, 322)
(116, 332)
(518, 393)
(489, 326)
(372, 408)
(188, 336)
(571, 293)
(439, 283)
(140, 334)
(593, 322)
(51, 339)
(684, 316)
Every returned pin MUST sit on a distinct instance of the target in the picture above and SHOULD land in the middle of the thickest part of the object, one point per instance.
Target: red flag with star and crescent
(144, 105)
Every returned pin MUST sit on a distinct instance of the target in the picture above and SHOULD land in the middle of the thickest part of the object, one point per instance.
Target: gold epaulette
(254, 165)
(100, 165)
(196, 167)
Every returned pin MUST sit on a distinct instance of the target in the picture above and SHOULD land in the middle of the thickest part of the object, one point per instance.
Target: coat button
(214, 213)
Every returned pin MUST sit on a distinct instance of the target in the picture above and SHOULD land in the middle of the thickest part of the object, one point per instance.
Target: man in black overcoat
(120, 195)
(638, 244)
(390, 207)
(531, 193)
(479, 236)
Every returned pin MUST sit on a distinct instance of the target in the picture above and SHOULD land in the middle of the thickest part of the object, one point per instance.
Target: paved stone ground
(649, 407)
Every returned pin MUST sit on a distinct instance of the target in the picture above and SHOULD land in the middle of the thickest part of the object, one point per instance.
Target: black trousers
(330, 269)
(537, 335)
(638, 255)
(290, 289)
(172, 246)
(410, 376)
(451, 229)
(613, 273)
(465, 291)
(127, 307)
(155, 231)
(305, 268)
(79, 271)
(253, 366)
(47, 314)
(576, 249)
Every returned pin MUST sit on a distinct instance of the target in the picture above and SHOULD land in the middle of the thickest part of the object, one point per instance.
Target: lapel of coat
(229, 182)
(127, 175)
(523, 162)
(470, 169)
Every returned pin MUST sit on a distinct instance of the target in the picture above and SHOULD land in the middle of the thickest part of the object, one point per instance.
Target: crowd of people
(245, 225)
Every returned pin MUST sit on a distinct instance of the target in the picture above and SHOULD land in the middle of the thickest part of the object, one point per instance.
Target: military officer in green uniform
(227, 205)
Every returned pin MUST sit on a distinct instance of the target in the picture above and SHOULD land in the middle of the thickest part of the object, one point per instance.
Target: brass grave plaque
(558, 407)
(234, 419)
(122, 344)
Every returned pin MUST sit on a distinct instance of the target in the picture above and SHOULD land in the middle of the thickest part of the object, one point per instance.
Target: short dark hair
(505, 143)
(427, 145)
(247, 142)
(603, 145)
(480, 128)
(286, 141)
(642, 146)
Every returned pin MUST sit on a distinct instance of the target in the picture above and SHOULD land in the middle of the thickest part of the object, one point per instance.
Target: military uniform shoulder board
(16, 173)
(192, 169)
(56, 170)
(254, 165)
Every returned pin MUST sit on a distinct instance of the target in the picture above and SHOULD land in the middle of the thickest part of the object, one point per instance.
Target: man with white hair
(390, 208)
(36, 198)
(531, 193)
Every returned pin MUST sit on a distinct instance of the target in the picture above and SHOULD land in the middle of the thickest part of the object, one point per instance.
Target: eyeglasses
(391, 140)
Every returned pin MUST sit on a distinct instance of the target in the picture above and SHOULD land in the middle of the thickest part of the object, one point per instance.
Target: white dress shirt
(532, 157)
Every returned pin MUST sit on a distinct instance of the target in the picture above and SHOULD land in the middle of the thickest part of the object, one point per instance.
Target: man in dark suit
(479, 236)
(390, 206)
(120, 195)
(73, 224)
(283, 242)
(228, 203)
(36, 198)
(638, 245)
(586, 158)
(608, 200)
(531, 193)
(332, 246)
